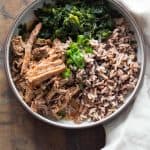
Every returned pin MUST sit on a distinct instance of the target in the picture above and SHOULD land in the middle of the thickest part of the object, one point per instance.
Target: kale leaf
(72, 18)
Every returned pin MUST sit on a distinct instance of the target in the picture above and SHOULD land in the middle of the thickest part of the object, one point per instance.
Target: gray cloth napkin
(131, 131)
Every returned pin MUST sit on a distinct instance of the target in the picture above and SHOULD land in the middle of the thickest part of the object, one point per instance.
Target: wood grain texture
(18, 129)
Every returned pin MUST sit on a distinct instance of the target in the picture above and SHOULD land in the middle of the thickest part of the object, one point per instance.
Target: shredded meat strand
(36, 76)
(28, 47)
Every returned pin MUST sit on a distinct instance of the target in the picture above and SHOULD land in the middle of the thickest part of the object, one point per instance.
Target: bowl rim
(131, 97)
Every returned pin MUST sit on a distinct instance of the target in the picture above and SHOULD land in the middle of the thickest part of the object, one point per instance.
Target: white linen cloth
(131, 131)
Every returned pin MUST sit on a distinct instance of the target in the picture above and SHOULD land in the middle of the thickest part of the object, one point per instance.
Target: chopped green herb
(82, 40)
(66, 73)
(75, 56)
(83, 43)
(88, 50)
(105, 34)
(76, 51)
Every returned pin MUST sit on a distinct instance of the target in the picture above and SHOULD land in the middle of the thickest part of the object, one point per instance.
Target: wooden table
(18, 129)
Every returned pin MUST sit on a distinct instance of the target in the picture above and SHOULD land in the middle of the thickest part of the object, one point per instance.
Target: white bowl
(27, 15)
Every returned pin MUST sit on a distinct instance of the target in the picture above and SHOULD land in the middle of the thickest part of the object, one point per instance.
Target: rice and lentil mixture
(53, 86)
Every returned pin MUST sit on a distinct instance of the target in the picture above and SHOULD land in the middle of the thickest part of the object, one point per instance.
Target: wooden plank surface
(18, 129)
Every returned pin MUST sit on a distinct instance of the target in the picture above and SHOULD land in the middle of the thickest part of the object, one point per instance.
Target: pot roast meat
(18, 45)
(40, 52)
(40, 73)
(49, 66)
(28, 94)
(64, 99)
(28, 47)
(57, 88)
(57, 44)
(42, 42)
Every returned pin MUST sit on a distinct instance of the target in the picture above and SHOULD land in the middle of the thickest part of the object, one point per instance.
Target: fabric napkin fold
(131, 131)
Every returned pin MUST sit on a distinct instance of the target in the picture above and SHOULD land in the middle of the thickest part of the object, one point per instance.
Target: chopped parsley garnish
(76, 50)
(66, 73)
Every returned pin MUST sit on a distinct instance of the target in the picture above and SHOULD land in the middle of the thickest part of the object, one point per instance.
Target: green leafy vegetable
(83, 43)
(76, 50)
(75, 56)
(82, 40)
(105, 33)
(66, 73)
(72, 18)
